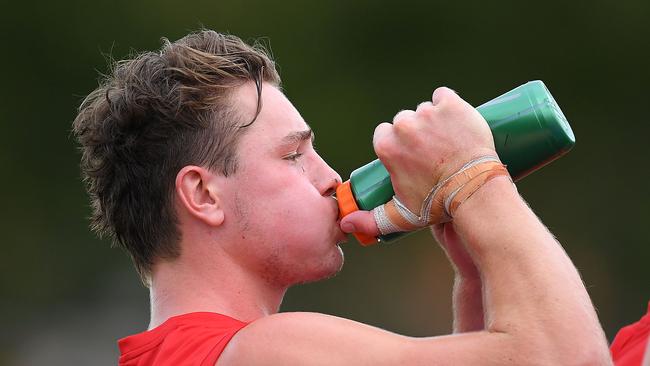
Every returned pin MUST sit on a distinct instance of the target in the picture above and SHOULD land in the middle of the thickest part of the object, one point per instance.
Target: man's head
(159, 117)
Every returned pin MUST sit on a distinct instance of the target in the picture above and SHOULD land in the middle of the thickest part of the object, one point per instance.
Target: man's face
(279, 205)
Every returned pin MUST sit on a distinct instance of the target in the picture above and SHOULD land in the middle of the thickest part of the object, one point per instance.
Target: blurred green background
(65, 296)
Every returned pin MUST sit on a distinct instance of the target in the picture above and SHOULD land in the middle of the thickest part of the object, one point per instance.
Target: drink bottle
(529, 131)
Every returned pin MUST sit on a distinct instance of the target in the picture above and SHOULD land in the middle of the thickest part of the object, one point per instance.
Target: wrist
(442, 200)
(458, 161)
(495, 193)
(481, 218)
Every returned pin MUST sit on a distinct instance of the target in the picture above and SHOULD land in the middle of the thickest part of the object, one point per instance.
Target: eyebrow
(298, 136)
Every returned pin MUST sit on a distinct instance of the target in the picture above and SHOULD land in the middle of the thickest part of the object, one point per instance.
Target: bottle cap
(347, 205)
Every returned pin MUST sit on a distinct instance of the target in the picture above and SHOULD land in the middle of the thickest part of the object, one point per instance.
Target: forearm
(467, 302)
(530, 285)
(467, 297)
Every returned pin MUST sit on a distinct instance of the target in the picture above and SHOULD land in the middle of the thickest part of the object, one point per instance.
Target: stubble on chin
(278, 273)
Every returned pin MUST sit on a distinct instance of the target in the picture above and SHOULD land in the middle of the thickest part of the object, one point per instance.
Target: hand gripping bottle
(529, 131)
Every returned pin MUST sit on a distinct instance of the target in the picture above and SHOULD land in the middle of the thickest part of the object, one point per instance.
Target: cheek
(288, 237)
(294, 205)
(282, 203)
(284, 213)
(296, 220)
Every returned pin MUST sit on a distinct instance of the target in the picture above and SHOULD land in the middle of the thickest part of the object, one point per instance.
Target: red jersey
(630, 342)
(188, 339)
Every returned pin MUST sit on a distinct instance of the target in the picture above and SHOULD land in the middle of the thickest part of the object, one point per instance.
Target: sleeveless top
(631, 342)
(188, 339)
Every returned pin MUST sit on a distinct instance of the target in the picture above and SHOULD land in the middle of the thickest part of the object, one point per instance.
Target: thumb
(360, 222)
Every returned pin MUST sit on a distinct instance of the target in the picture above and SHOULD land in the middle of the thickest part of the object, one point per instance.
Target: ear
(197, 191)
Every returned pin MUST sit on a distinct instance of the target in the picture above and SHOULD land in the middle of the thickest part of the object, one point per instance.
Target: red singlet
(630, 342)
(189, 339)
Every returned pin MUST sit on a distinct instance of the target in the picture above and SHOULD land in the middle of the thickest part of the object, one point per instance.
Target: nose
(331, 189)
(327, 180)
(330, 184)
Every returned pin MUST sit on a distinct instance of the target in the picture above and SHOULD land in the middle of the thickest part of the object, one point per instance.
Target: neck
(210, 284)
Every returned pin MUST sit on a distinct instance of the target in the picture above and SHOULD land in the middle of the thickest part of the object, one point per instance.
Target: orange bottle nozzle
(347, 205)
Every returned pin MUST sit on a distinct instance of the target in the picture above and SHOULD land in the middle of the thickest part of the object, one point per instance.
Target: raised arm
(467, 296)
(536, 308)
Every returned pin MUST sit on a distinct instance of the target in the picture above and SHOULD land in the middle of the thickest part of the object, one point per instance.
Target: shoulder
(312, 338)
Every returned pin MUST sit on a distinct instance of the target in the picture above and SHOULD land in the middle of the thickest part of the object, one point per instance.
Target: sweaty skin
(518, 299)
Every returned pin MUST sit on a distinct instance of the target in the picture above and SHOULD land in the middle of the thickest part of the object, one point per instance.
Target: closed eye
(293, 156)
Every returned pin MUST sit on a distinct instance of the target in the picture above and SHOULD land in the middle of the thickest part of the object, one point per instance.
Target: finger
(403, 115)
(425, 109)
(381, 132)
(440, 95)
(423, 106)
(381, 140)
(360, 222)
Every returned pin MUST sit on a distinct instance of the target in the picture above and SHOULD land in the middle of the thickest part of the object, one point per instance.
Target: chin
(282, 269)
(327, 268)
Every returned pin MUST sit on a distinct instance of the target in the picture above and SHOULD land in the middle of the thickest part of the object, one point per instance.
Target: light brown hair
(151, 116)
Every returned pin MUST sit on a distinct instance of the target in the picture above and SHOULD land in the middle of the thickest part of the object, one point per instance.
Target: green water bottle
(529, 131)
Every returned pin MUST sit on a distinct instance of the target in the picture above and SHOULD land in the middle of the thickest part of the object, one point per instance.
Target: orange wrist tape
(443, 200)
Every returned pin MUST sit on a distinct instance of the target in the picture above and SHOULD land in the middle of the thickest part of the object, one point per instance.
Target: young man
(199, 167)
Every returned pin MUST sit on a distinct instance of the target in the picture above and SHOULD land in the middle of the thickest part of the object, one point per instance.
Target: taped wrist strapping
(442, 201)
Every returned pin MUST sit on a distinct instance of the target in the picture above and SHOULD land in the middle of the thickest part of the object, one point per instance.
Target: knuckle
(402, 116)
(381, 131)
(399, 125)
(382, 148)
(380, 127)
(425, 109)
(385, 148)
(444, 90)
(459, 107)
(403, 121)
(454, 106)
(442, 95)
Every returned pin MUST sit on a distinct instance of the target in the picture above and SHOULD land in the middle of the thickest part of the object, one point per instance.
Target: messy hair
(152, 115)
